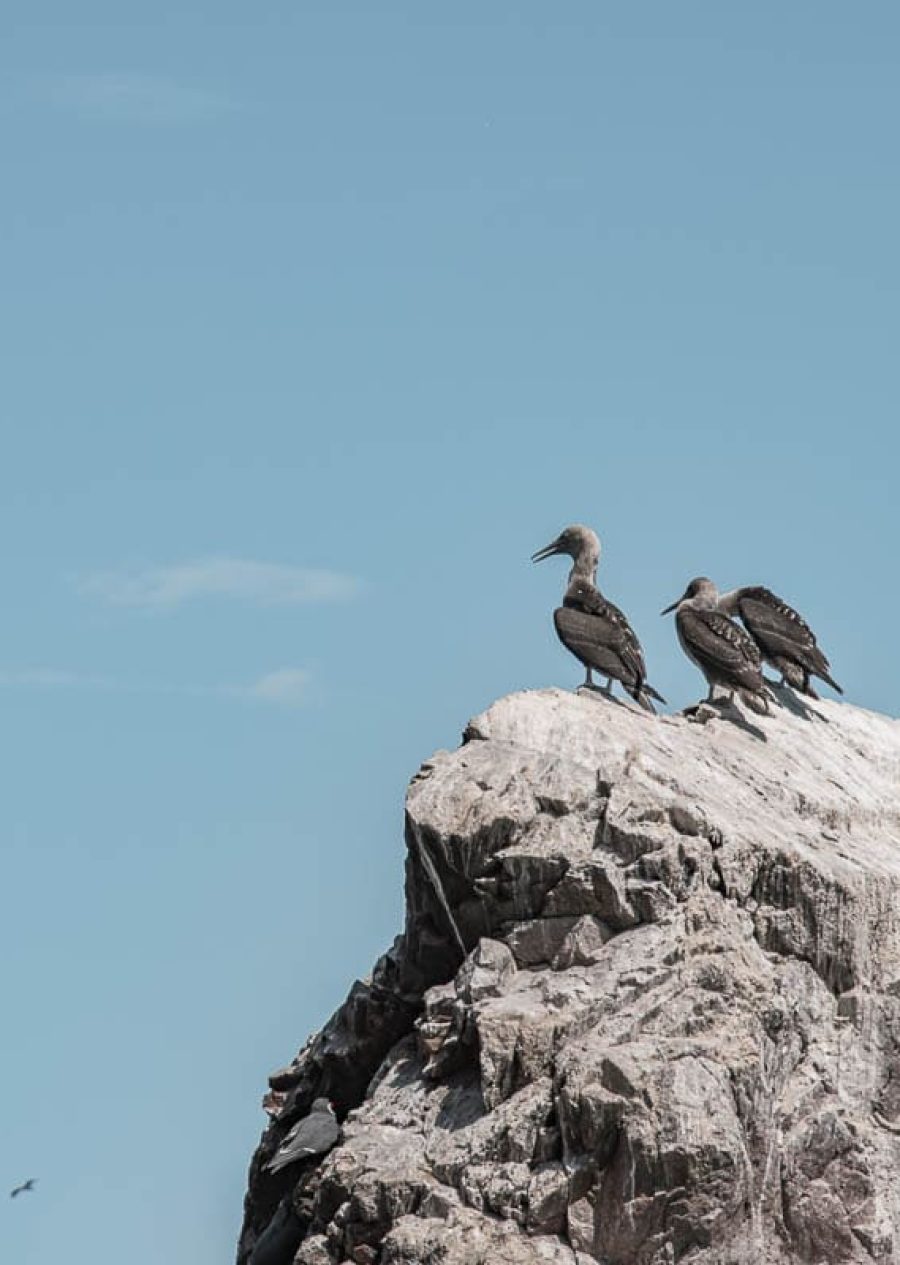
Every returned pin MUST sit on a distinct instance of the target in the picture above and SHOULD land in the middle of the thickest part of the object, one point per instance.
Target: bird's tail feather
(807, 688)
(281, 1161)
(641, 695)
(831, 681)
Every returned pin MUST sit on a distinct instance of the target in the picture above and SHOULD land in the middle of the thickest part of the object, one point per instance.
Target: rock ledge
(645, 1008)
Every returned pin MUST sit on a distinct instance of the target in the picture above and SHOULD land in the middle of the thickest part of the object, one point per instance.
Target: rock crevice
(645, 1007)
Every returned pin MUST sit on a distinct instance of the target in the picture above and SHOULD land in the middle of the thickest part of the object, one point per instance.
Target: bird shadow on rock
(723, 709)
(793, 703)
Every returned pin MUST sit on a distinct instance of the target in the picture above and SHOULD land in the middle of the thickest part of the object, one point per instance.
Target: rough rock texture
(646, 1007)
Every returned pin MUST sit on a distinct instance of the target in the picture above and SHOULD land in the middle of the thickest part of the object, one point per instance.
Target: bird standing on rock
(594, 630)
(783, 637)
(313, 1135)
(723, 652)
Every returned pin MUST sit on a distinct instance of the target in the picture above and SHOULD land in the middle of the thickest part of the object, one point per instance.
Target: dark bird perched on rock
(313, 1135)
(20, 1190)
(723, 652)
(592, 628)
(783, 636)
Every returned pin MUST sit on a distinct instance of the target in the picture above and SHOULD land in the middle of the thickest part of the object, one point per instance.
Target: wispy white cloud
(269, 583)
(288, 687)
(285, 687)
(134, 98)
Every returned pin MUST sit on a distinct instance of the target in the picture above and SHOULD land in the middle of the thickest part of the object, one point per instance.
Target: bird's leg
(711, 696)
(608, 691)
(588, 683)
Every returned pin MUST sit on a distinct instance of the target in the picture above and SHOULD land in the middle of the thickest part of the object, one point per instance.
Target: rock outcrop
(645, 1009)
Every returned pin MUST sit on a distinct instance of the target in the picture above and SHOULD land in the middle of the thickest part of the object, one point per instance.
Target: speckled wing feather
(721, 647)
(592, 640)
(779, 630)
(600, 629)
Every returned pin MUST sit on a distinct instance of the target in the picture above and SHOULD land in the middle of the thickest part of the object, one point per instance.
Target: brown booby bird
(783, 636)
(21, 1190)
(720, 648)
(594, 630)
(313, 1135)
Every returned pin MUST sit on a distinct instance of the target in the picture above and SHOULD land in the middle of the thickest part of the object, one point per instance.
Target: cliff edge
(645, 1008)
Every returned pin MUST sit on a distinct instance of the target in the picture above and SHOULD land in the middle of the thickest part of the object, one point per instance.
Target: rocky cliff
(645, 1008)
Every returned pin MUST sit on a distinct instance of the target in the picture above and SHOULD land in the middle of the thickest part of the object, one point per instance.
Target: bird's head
(700, 591)
(579, 542)
(322, 1104)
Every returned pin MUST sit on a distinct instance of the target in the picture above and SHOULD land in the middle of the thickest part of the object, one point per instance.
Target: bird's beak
(669, 609)
(548, 551)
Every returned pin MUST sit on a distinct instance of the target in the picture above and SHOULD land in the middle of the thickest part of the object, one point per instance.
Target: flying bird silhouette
(20, 1190)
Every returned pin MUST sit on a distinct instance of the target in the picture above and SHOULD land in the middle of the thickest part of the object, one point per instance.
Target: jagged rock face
(646, 1007)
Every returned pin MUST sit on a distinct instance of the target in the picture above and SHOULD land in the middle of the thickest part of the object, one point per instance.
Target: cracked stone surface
(645, 1007)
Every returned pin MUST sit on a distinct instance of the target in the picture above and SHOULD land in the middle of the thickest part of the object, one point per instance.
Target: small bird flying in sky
(20, 1190)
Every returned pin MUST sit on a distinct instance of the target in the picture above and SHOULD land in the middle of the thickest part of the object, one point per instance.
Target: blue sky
(318, 319)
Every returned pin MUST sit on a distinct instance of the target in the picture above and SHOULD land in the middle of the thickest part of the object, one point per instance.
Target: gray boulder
(645, 1008)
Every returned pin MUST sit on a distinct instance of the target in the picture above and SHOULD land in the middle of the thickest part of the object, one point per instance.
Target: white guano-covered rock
(646, 1007)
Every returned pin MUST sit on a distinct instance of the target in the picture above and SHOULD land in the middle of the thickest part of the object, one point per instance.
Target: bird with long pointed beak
(720, 648)
(782, 635)
(590, 627)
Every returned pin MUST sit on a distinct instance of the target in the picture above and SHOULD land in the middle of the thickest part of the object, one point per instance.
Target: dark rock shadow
(462, 1105)
(403, 1070)
(281, 1237)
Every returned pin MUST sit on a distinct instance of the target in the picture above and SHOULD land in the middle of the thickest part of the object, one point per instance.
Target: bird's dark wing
(717, 643)
(586, 636)
(612, 629)
(773, 611)
(600, 643)
(779, 630)
(315, 1134)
